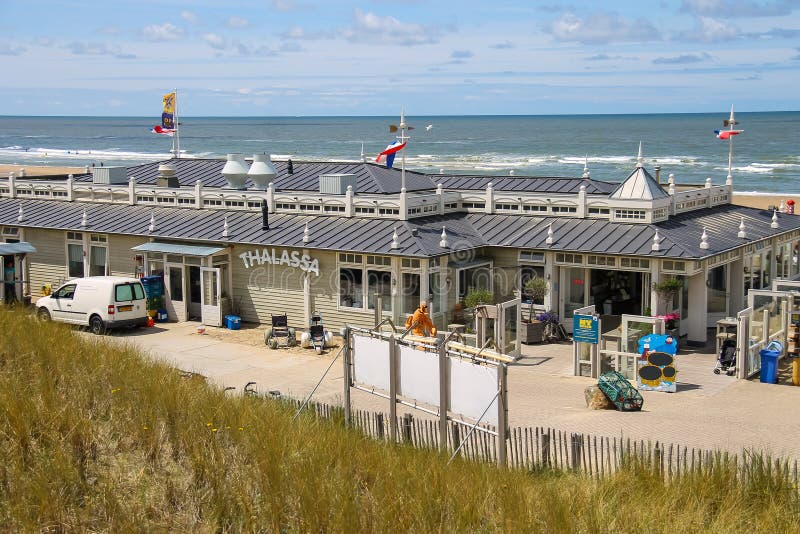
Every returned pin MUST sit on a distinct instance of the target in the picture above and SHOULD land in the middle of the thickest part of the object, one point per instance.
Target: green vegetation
(95, 438)
(475, 297)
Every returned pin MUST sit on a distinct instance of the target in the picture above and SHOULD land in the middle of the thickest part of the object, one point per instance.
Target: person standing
(8, 280)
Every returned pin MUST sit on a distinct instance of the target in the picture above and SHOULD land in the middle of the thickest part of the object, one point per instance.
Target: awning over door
(176, 248)
(23, 247)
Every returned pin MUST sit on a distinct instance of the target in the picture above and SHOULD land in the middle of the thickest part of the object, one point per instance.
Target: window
(634, 263)
(360, 210)
(529, 272)
(379, 260)
(388, 211)
(310, 207)
(409, 263)
(598, 211)
(534, 207)
(602, 260)
(128, 292)
(284, 206)
(564, 209)
(351, 287)
(505, 206)
(97, 261)
(474, 205)
(629, 214)
(530, 255)
(411, 292)
(10, 231)
(451, 206)
(66, 292)
(350, 258)
(379, 283)
(574, 259)
(75, 255)
(334, 209)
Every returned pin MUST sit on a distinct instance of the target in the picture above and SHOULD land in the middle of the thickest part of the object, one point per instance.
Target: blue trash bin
(233, 322)
(769, 362)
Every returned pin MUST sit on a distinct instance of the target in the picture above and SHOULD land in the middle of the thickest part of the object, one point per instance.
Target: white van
(99, 302)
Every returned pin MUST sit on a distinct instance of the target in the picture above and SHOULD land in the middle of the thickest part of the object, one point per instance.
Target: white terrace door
(574, 293)
(175, 283)
(211, 311)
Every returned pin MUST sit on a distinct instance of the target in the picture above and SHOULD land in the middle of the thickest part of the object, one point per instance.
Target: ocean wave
(58, 153)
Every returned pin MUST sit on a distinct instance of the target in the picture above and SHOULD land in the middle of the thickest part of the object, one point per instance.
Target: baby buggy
(726, 361)
(316, 337)
(280, 332)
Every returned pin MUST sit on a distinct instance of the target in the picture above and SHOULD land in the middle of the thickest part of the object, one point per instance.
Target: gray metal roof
(639, 185)
(420, 237)
(524, 183)
(23, 247)
(370, 178)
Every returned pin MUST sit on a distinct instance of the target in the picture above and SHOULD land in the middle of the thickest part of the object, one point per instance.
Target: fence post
(408, 421)
(576, 443)
(502, 414)
(546, 448)
(443, 396)
(379, 424)
(346, 374)
(392, 389)
(456, 436)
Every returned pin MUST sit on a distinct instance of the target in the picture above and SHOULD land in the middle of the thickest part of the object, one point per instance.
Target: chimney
(264, 215)
(289, 166)
(166, 176)
(658, 174)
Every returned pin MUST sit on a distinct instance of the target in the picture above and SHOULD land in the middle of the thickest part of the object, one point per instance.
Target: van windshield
(128, 292)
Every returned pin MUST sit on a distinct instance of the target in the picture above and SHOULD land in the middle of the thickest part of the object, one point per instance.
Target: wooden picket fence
(539, 448)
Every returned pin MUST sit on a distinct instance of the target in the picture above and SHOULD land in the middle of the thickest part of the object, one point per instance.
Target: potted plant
(475, 297)
(536, 289)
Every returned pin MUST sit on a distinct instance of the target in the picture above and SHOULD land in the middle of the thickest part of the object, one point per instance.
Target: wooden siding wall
(120, 255)
(49, 264)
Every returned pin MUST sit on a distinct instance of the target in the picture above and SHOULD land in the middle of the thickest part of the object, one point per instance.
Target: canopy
(176, 248)
(23, 247)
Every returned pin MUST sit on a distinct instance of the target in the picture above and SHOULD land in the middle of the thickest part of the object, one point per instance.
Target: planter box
(532, 332)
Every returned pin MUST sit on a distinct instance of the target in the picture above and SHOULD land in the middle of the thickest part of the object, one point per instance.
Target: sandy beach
(753, 200)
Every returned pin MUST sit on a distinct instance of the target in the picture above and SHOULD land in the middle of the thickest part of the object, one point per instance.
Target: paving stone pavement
(708, 411)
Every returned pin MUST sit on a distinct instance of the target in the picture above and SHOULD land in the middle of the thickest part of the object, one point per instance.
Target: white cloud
(237, 22)
(85, 48)
(602, 28)
(739, 8)
(461, 54)
(162, 32)
(214, 41)
(285, 5)
(190, 17)
(7, 49)
(371, 28)
(710, 30)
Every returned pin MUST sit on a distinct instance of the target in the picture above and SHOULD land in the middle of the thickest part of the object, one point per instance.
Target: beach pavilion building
(265, 238)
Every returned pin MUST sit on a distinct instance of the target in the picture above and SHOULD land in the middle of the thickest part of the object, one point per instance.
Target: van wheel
(96, 325)
(44, 315)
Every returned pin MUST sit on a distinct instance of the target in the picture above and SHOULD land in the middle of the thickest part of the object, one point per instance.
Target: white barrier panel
(419, 375)
(371, 361)
(472, 386)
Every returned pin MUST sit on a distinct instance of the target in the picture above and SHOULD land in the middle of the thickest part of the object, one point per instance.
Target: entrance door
(195, 293)
(717, 282)
(211, 313)
(176, 291)
(508, 322)
(575, 293)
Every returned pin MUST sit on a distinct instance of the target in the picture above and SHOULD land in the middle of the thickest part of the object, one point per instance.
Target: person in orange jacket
(423, 326)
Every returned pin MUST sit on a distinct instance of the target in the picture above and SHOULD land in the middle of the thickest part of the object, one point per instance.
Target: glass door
(508, 315)
(211, 311)
(574, 286)
(176, 290)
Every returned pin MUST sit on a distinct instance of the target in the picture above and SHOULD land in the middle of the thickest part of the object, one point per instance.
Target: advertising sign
(585, 329)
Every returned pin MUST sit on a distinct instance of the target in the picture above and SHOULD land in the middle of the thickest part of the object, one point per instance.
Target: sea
(766, 155)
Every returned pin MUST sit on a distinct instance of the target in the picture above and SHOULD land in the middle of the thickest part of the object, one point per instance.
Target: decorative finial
(306, 237)
(225, 232)
(549, 240)
(441, 171)
(511, 172)
(708, 182)
(586, 167)
(639, 158)
(395, 242)
(582, 188)
(671, 178)
(742, 234)
(152, 227)
(656, 242)
(704, 240)
(782, 207)
(363, 156)
(774, 219)
(84, 219)
(443, 242)
(20, 215)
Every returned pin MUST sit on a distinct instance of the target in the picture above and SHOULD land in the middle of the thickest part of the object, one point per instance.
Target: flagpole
(176, 141)
(732, 122)
(403, 139)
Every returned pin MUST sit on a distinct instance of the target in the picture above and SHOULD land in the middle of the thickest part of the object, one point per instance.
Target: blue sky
(308, 57)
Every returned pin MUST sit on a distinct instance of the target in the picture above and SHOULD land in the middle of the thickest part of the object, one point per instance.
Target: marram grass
(95, 438)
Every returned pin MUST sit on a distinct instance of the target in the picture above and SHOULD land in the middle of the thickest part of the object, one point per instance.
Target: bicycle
(555, 332)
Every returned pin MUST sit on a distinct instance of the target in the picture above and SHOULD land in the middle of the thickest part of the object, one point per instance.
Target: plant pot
(532, 332)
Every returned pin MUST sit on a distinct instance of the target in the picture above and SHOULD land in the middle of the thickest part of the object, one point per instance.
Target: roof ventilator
(235, 171)
(261, 171)
(166, 176)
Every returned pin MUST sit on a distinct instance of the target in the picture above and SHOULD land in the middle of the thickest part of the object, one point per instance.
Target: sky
(434, 57)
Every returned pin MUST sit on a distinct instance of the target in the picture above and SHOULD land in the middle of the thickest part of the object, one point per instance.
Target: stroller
(280, 331)
(726, 361)
(316, 337)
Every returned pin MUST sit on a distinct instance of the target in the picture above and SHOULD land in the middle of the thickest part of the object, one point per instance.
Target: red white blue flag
(389, 153)
(163, 131)
(727, 134)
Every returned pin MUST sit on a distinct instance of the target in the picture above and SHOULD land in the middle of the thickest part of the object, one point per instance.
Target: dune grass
(94, 437)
